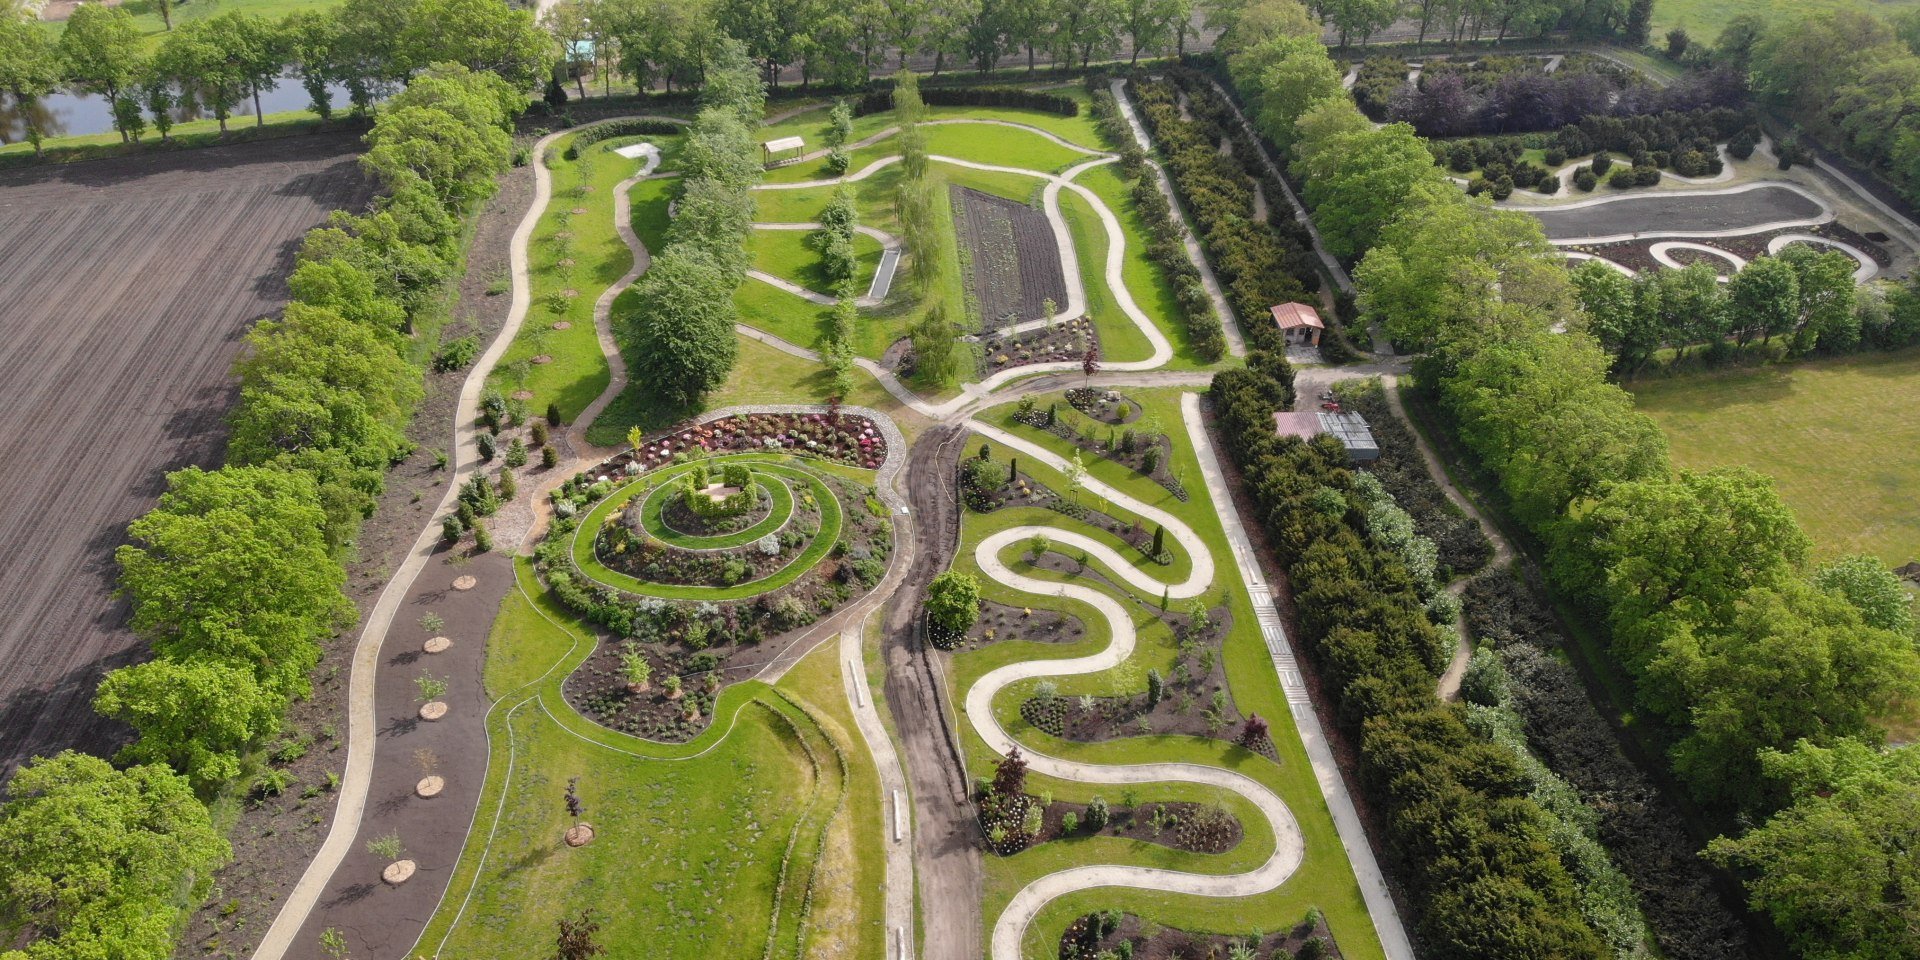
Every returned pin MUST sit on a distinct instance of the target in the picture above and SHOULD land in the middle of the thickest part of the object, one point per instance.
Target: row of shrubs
(1460, 830)
(1521, 668)
(236, 578)
(1258, 264)
(880, 99)
(623, 127)
(1167, 246)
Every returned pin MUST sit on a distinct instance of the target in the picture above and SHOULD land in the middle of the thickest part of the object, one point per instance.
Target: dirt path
(946, 837)
(1449, 686)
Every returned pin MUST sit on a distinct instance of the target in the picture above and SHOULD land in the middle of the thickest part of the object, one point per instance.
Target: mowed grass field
(1841, 437)
(1703, 19)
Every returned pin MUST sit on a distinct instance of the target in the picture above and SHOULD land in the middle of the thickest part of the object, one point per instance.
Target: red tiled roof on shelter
(1291, 315)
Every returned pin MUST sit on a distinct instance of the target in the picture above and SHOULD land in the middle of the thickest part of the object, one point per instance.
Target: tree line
(679, 336)
(1769, 676)
(236, 576)
(372, 48)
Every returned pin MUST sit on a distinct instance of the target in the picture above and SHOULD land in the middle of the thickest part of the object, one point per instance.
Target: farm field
(1015, 260)
(128, 286)
(1838, 436)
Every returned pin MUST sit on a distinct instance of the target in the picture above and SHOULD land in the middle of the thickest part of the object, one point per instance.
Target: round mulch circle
(576, 211)
(565, 262)
(542, 360)
(465, 582)
(433, 711)
(437, 645)
(570, 293)
(579, 835)
(430, 786)
(563, 324)
(399, 872)
(523, 394)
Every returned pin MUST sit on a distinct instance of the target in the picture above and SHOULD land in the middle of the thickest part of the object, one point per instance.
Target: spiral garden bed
(700, 570)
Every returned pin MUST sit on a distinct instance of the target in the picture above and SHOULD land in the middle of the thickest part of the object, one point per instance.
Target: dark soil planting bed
(1065, 342)
(1101, 934)
(845, 438)
(1015, 260)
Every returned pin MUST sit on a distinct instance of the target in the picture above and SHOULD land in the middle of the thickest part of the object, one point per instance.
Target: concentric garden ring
(653, 507)
(587, 533)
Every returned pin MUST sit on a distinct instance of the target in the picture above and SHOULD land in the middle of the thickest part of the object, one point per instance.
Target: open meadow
(1840, 437)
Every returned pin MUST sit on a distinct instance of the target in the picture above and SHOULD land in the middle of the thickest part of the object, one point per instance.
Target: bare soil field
(128, 284)
(1015, 260)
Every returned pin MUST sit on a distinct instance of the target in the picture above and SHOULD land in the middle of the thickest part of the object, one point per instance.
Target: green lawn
(725, 839)
(1703, 19)
(790, 255)
(1325, 880)
(577, 372)
(1841, 438)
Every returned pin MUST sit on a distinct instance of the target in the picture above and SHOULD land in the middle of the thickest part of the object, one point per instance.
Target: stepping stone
(399, 872)
(433, 711)
(437, 645)
(429, 787)
(465, 582)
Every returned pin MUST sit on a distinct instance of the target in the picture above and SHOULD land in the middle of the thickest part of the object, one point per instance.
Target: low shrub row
(880, 99)
(623, 127)
(1460, 828)
(235, 578)
(1463, 548)
(1639, 825)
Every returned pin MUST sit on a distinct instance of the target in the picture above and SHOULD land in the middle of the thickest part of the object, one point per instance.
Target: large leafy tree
(197, 54)
(1764, 298)
(100, 860)
(29, 70)
(1874, 590)
(481, 35)
(102, 52)
(316, 380)
(1361, 181)
(682, 329)
(449, 130)
(232, 566)
(953, 601)
(196, 717)
(1835, 870)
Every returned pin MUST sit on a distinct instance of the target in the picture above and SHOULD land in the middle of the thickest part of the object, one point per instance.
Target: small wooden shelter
(783, 150)
(1299, 323)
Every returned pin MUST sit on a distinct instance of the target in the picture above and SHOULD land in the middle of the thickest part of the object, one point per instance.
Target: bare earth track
(127, 287)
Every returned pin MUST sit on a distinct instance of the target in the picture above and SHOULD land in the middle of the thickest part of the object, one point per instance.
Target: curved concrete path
(1861, 274)
(357, 775)
(1289, 848)
(1662, 253)
(1577, 255)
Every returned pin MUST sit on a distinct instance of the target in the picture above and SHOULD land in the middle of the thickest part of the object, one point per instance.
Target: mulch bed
(626, 548)
(275, 838)
(839, 437)
(1110, 441)
(1065, 342)
(711, 644)
(1030, 492)
(1179, 825)
(1014, 259)
(1000, 623)
(1093, 935)
(1637, 255)
(1107, 406)
(1687, 258)
(1184, 708)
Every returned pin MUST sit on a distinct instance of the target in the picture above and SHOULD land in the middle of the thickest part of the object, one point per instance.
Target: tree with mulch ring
(1102, 935)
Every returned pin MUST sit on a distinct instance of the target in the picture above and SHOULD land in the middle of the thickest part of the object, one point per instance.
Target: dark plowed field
(1015, 259)
(125, 286)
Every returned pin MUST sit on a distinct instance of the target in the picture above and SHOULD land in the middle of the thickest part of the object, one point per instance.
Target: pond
(68, 113)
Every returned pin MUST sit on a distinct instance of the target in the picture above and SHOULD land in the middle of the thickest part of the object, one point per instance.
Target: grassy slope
(1839, 437)
(697, 831)
(1325, 881)
(1703, 19)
